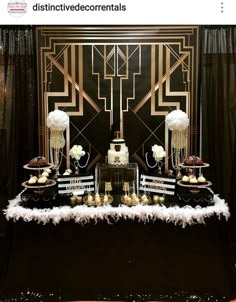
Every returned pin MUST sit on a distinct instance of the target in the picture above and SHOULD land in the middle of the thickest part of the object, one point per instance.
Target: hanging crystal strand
(88, 154)
(149, 166)
(56, 162)
(178, 147)
(57, 139)
(57, 142)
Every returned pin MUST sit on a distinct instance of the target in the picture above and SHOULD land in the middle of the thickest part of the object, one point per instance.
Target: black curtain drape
(218, 92)
(219, 104)
(18, 105)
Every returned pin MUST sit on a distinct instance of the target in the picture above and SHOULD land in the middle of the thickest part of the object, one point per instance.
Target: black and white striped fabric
(77, 185)
(155, 184)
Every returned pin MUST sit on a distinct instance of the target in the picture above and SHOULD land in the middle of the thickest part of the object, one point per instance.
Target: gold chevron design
(116, 60)
(139, 49)
(64, 71)
(156, 87)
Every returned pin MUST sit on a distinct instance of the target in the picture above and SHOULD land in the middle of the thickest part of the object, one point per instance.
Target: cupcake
(201, 179)
(45, 173)
(33, 180)
(42, 180)
(189, 161)
(185, 178)
(198, 161)
(193, 180)
(38, 161)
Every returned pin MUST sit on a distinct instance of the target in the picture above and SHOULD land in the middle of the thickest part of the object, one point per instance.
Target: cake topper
(117, 134)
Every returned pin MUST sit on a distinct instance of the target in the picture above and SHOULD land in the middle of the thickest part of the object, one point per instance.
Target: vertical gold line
(68, 146)
(112, 87)
(73, 94)
(45, 107)
(115, 47)
(196, 94)
(81, 83)
(42, 149)
(160, 74)
(121, 92)
(167, 147)
(116, 61)
(66, 71)
(121, 110)
(153, 60)
(40, 86)
(127, 61)
(105, 61)
(167, 70)
(188, 100)
(112, 100)
(188, 96)
(191, 109)
(121, 95)
(192, 139)
(92, 48)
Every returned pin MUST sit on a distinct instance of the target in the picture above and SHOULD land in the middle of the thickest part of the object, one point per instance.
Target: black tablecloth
(116, 261)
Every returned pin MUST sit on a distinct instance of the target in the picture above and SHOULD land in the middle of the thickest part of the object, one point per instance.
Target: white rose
(158, 152)
(77, 152)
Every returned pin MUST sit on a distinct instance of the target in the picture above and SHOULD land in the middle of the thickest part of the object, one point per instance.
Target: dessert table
(121, 253)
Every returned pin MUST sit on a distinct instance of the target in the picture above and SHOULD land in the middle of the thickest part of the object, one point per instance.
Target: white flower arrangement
(77, 152)
(177, 120)
(158, 152)
(57, 120)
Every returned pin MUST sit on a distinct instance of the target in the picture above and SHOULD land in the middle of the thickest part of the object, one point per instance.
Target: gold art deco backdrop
(118, 78)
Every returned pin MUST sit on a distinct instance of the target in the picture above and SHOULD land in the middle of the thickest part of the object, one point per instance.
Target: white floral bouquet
(158, 152)
(57, 120)
(77, 152)
(177, 120)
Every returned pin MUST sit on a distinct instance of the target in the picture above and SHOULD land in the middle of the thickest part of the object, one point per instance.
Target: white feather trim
(83, 214)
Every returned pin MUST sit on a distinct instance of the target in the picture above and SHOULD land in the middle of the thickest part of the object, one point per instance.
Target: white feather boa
(83, 214)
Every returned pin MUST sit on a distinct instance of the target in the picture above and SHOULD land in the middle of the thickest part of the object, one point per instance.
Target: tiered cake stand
(38, 188)
(194, 188)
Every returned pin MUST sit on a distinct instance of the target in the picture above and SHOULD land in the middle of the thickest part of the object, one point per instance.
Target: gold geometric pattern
(125, 76)
(116, 66)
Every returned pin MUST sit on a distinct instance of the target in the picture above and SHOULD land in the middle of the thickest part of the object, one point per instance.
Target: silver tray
(49, 183)
(27, 166)
(198, 185)
(204, 165)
